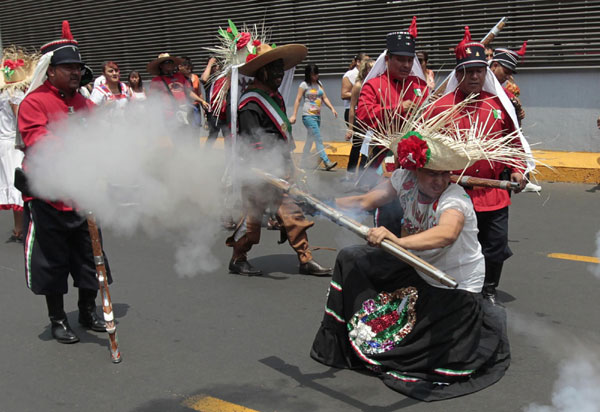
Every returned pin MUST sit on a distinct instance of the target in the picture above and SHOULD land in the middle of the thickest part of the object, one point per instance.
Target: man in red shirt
(58, 240)
(385, 100)
(397, 89)
(472, 76)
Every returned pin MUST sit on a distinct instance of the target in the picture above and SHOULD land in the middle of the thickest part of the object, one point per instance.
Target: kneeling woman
(421, 338)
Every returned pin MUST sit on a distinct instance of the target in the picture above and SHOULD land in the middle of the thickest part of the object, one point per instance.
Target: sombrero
(292, 54)
(153, 66)
(17, 68)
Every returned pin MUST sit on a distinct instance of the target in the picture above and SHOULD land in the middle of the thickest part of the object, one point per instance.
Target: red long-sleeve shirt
(40, 108)
(382, 95)
(497, 122)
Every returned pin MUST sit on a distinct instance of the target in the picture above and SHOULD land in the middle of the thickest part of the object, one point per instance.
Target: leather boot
(493, 270)
(87, 311)
(61, 331)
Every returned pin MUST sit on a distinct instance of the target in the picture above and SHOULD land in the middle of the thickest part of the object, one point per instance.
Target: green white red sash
(271, 108)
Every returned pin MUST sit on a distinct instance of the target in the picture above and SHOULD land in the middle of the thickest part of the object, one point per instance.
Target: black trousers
(493, 235)
(58, 244)
(214, 125)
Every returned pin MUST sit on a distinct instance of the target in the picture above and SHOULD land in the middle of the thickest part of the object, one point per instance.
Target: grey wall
(561, 109)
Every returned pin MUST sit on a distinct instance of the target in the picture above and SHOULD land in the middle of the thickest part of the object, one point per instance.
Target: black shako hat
(509, 58)
(402, 43)
(65, 50)
(469, 53)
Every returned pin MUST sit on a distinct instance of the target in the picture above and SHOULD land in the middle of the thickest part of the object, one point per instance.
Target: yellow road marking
(578, 258)
(204, 403)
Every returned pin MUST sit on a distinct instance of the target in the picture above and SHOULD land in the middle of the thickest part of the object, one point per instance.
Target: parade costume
(17, 70)
(421, 338)
(58, 241)
(266, 142)
(173, 87)
(380, 105)
(497, 115)
(102, 95)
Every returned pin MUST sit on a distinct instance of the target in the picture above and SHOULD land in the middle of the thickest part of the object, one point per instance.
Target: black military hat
(469, 53)
(402, 43)
(65, 50)
(509, 58)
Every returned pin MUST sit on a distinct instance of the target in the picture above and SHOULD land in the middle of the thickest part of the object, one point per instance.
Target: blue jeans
(313, 132)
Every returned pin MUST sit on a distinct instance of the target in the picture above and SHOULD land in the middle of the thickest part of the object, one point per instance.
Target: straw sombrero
(153, 66)
(17, 68)
(292, 54)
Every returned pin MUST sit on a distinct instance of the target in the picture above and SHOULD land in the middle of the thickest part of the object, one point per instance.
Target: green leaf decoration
(223, 33)
(234, 29)
(273, 45)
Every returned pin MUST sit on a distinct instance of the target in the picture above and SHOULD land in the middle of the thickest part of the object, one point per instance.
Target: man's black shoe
(90, 320)
(313, 268)
(62, 332)
(243, 267)
(489, 294)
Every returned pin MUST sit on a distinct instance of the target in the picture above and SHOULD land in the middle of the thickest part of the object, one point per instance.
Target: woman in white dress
(17, 69)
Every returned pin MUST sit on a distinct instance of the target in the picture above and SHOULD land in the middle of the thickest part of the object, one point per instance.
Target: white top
(313, 98)
(102, 95)
(462, 259)
(350, 75)
(99, 80)
(8, 121)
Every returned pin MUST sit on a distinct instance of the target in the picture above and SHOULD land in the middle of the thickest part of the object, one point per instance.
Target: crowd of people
(422, 338)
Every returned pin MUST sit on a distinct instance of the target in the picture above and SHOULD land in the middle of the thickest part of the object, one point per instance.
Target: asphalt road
(246, 340)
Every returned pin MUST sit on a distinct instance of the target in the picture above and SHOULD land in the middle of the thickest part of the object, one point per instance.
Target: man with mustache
(57, 241)
(266, 143)
(495, 113)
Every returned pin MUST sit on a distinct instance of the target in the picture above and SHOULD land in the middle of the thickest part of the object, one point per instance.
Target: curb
(553, 166)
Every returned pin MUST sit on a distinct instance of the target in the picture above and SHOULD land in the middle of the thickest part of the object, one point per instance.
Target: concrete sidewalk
(553, 166)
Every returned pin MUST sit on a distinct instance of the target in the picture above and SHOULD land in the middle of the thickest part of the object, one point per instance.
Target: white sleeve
(399, 177)
(455, 198)
(97, 96)
(16, 97)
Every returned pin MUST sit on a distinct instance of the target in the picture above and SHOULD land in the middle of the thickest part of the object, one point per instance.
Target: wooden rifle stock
(107, 311)
(358, 228)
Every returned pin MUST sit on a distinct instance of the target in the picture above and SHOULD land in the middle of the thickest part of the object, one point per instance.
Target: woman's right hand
(292, 119)
(348, 134)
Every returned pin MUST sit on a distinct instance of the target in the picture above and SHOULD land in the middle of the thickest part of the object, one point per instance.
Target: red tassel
(413, 28)
(66, 30)
(460, 49)
(521, 51)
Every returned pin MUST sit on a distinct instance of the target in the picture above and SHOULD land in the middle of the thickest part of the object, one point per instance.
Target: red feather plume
(66, 30)
(521, 51)
(413, 28)
(460, 49)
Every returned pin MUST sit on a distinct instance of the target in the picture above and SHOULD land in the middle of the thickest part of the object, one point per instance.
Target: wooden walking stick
(107, 310)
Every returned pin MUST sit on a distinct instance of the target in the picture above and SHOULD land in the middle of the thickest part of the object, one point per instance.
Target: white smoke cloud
(576, 389)
(136, 170)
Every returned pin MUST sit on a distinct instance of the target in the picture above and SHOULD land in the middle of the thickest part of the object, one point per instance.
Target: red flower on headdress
(250, 57)
(243, 40)
(12, 65)
(413, 152)
(256, 42)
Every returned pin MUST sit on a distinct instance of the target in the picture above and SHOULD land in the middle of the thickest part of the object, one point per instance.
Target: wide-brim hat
(154, 66)
(291, 54)
(17, 68)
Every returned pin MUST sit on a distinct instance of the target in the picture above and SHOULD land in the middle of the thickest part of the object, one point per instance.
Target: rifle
(107, 311)
(358, 228)
(470, 181)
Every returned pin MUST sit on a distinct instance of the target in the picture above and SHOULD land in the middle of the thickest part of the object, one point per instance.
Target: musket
(358, 228)
(107, 311)
(487, 39)
(471, 181)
